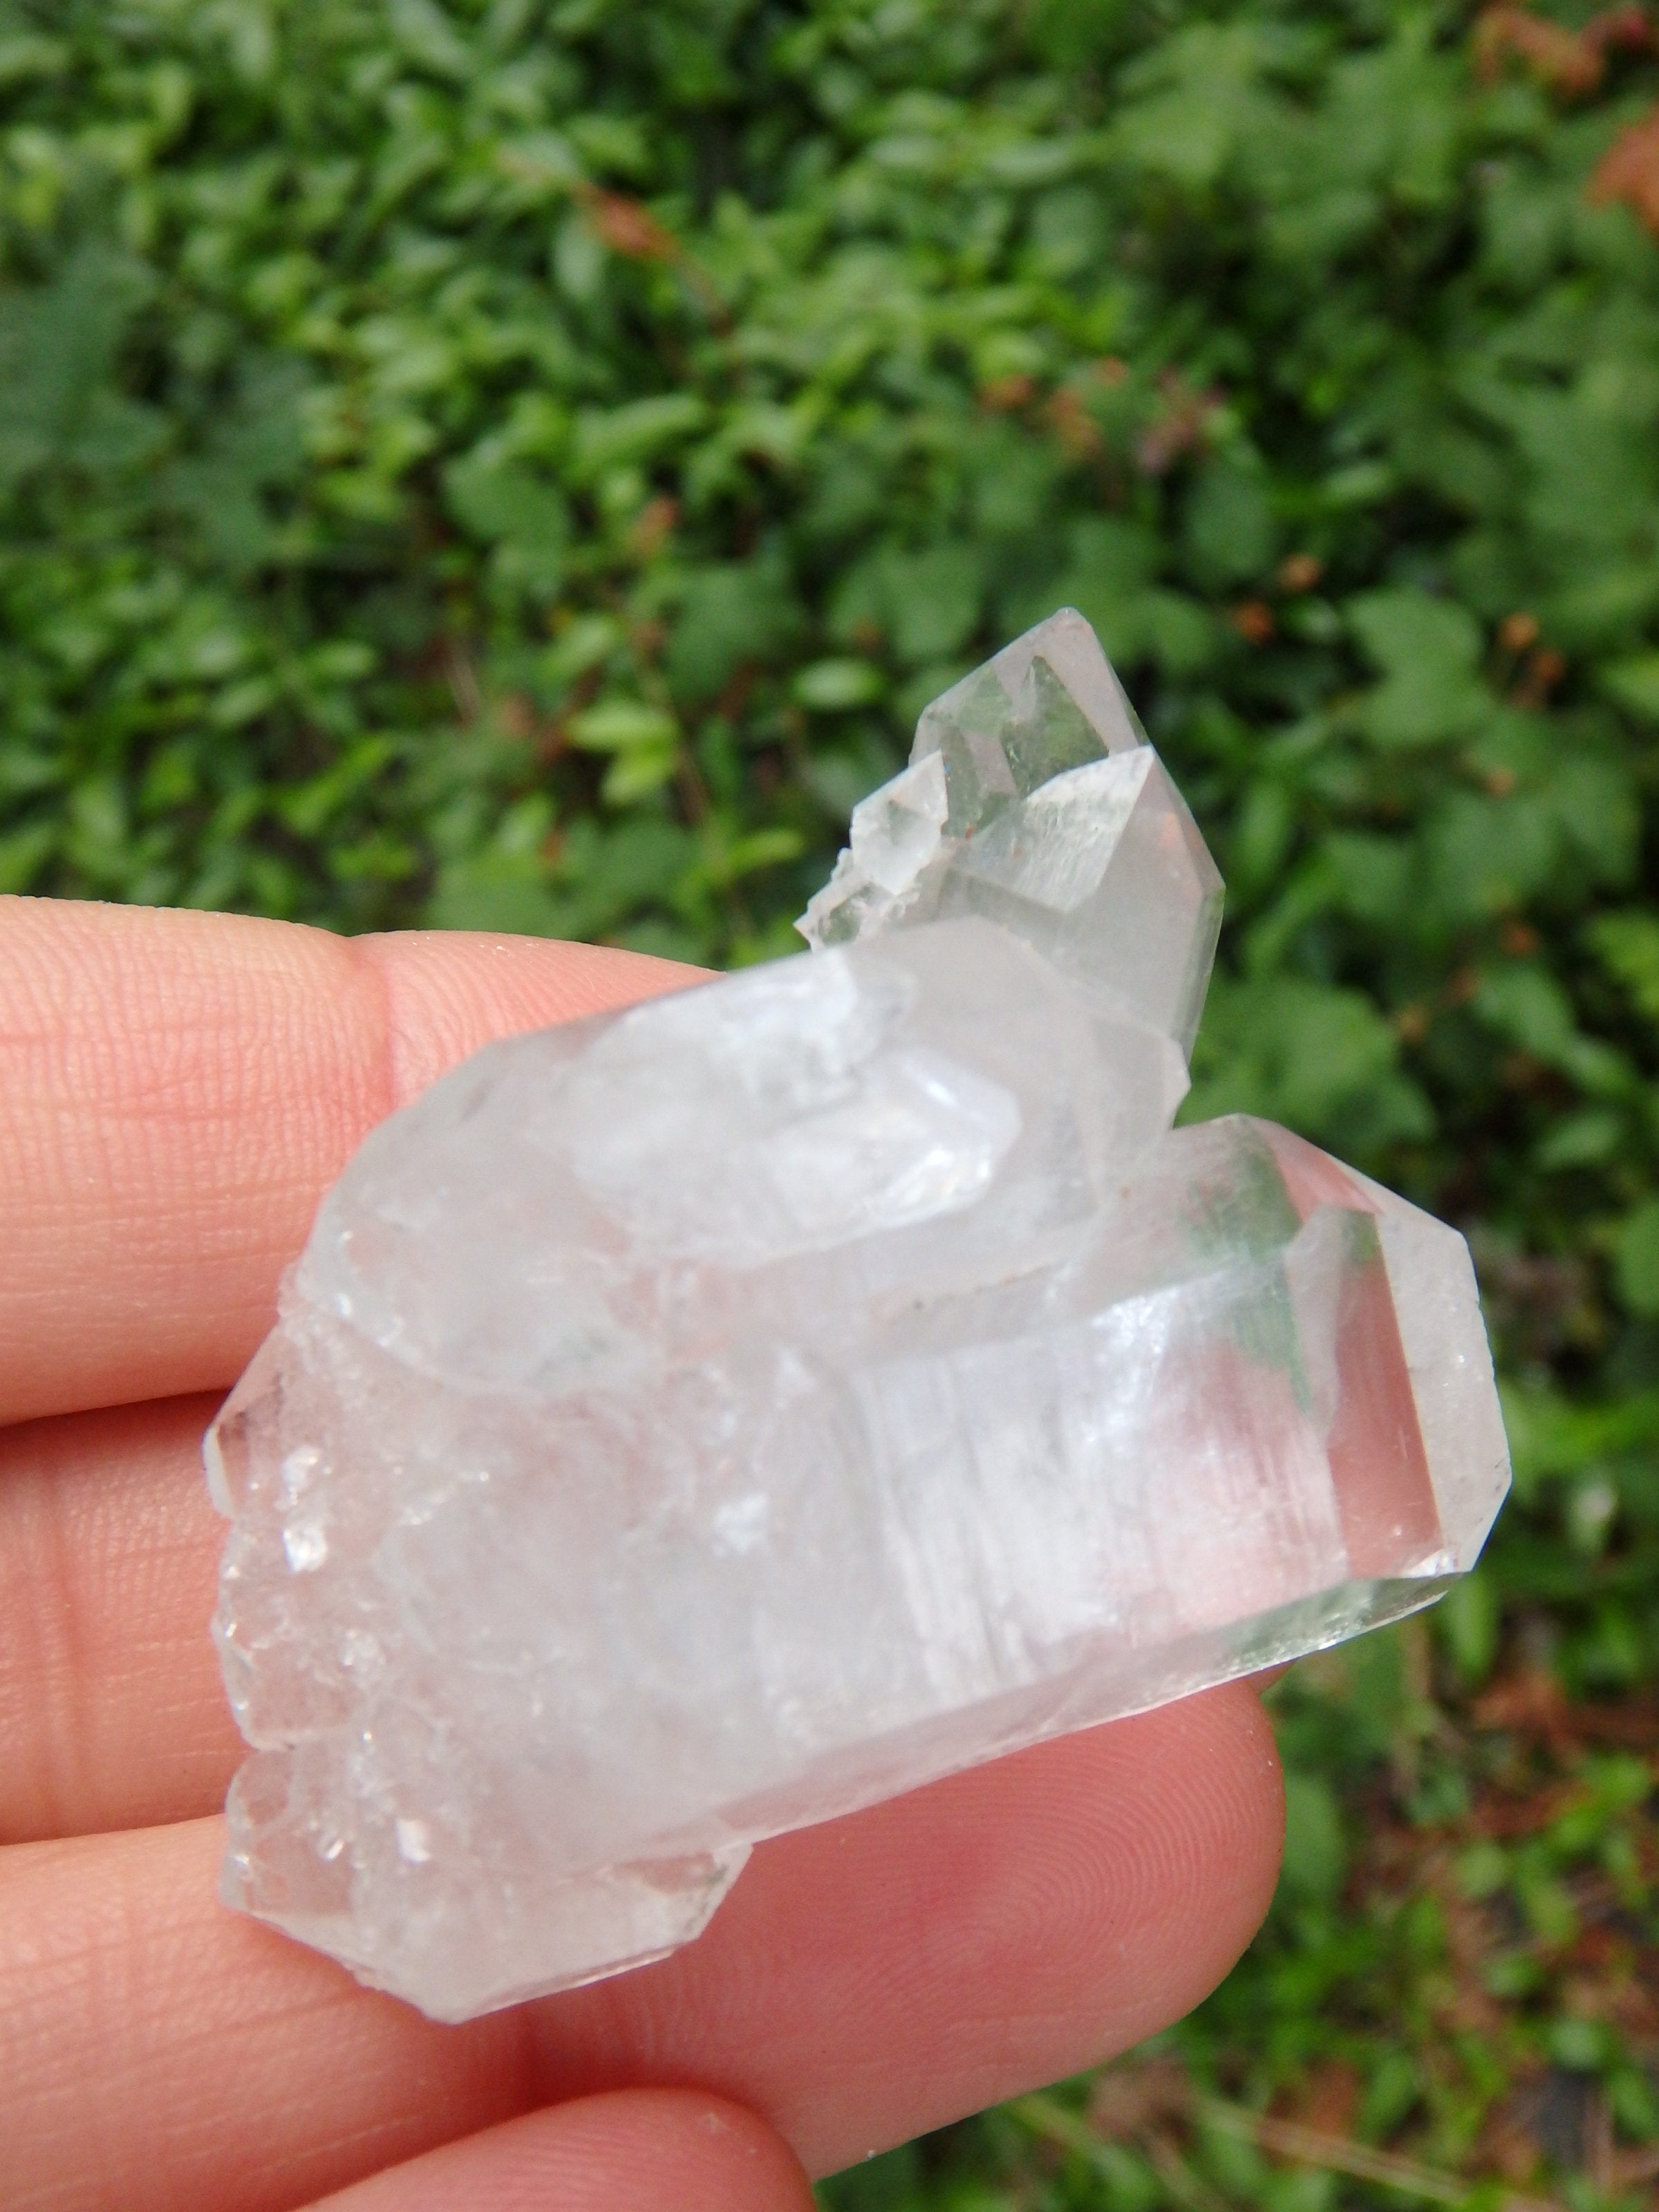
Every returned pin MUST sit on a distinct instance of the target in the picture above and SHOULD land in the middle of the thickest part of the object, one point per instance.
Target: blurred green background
(523, 463)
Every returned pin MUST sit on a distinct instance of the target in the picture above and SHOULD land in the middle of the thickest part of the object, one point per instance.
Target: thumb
(634, 2150)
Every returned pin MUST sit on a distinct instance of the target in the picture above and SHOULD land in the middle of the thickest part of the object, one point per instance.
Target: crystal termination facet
(701, 1421)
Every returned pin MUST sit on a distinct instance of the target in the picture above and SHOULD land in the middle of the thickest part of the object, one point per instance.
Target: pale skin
(176, 1090)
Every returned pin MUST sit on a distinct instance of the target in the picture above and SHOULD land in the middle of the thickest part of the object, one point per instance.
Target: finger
(865, 1980)
(176, 1089)
(113, 1714)
(638, 2150)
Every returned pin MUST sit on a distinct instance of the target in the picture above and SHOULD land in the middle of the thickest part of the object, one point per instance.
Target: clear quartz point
(1032, 799)
(703, 1419)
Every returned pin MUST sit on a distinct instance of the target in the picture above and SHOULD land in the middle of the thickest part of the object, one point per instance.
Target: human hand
(176, 1091)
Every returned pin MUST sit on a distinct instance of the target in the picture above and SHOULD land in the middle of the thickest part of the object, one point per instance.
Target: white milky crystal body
(697, 1421)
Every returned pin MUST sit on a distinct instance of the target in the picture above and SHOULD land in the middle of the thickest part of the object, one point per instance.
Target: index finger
(178, 1090)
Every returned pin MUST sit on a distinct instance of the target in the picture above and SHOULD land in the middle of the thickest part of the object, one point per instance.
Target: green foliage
(523, 463)
(493, 463)
(1469, 1906)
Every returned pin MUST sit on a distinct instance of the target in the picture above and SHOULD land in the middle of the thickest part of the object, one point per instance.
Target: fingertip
(448, 992)
(878, 1976)
(631, 2150)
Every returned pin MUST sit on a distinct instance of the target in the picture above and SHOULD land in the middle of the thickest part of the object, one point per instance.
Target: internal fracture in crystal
(697, 1421)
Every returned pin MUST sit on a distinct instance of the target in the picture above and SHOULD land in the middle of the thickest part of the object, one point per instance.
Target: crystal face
(700, 1420)
(1033, 800)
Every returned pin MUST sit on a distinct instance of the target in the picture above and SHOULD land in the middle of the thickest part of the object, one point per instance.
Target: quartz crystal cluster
(700, 1420)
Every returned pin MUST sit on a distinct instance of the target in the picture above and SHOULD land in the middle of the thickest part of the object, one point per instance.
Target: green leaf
(1636, 1258)
(426, 35)
(1588, 1139)
(1525, 1003)
(59, 347)
(1200, 102)
(1324, 1060)
(1634, 683)
(1315, 1851)
(641, 430)
(542, 164)
(1470, 1620)
(731, 616)
(616, 726)
(833, 686)
(932, 600)
(26, 56)
(615, 144)
(581, 645)
(1107, 576)
(637, 771)
(498, 892)
(24, 854)
(1230, 528)
(1428, 650)
(1628, 947)
(503, 500)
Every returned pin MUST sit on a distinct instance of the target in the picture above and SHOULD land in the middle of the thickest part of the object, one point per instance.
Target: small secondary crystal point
(703, 1419)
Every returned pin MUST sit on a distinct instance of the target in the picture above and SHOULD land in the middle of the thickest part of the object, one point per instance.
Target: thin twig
(463, 682)
(1279, 2139)
(1071, 2131)
(1186, 2187)
(1338, 2154)
(1630, 2169)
